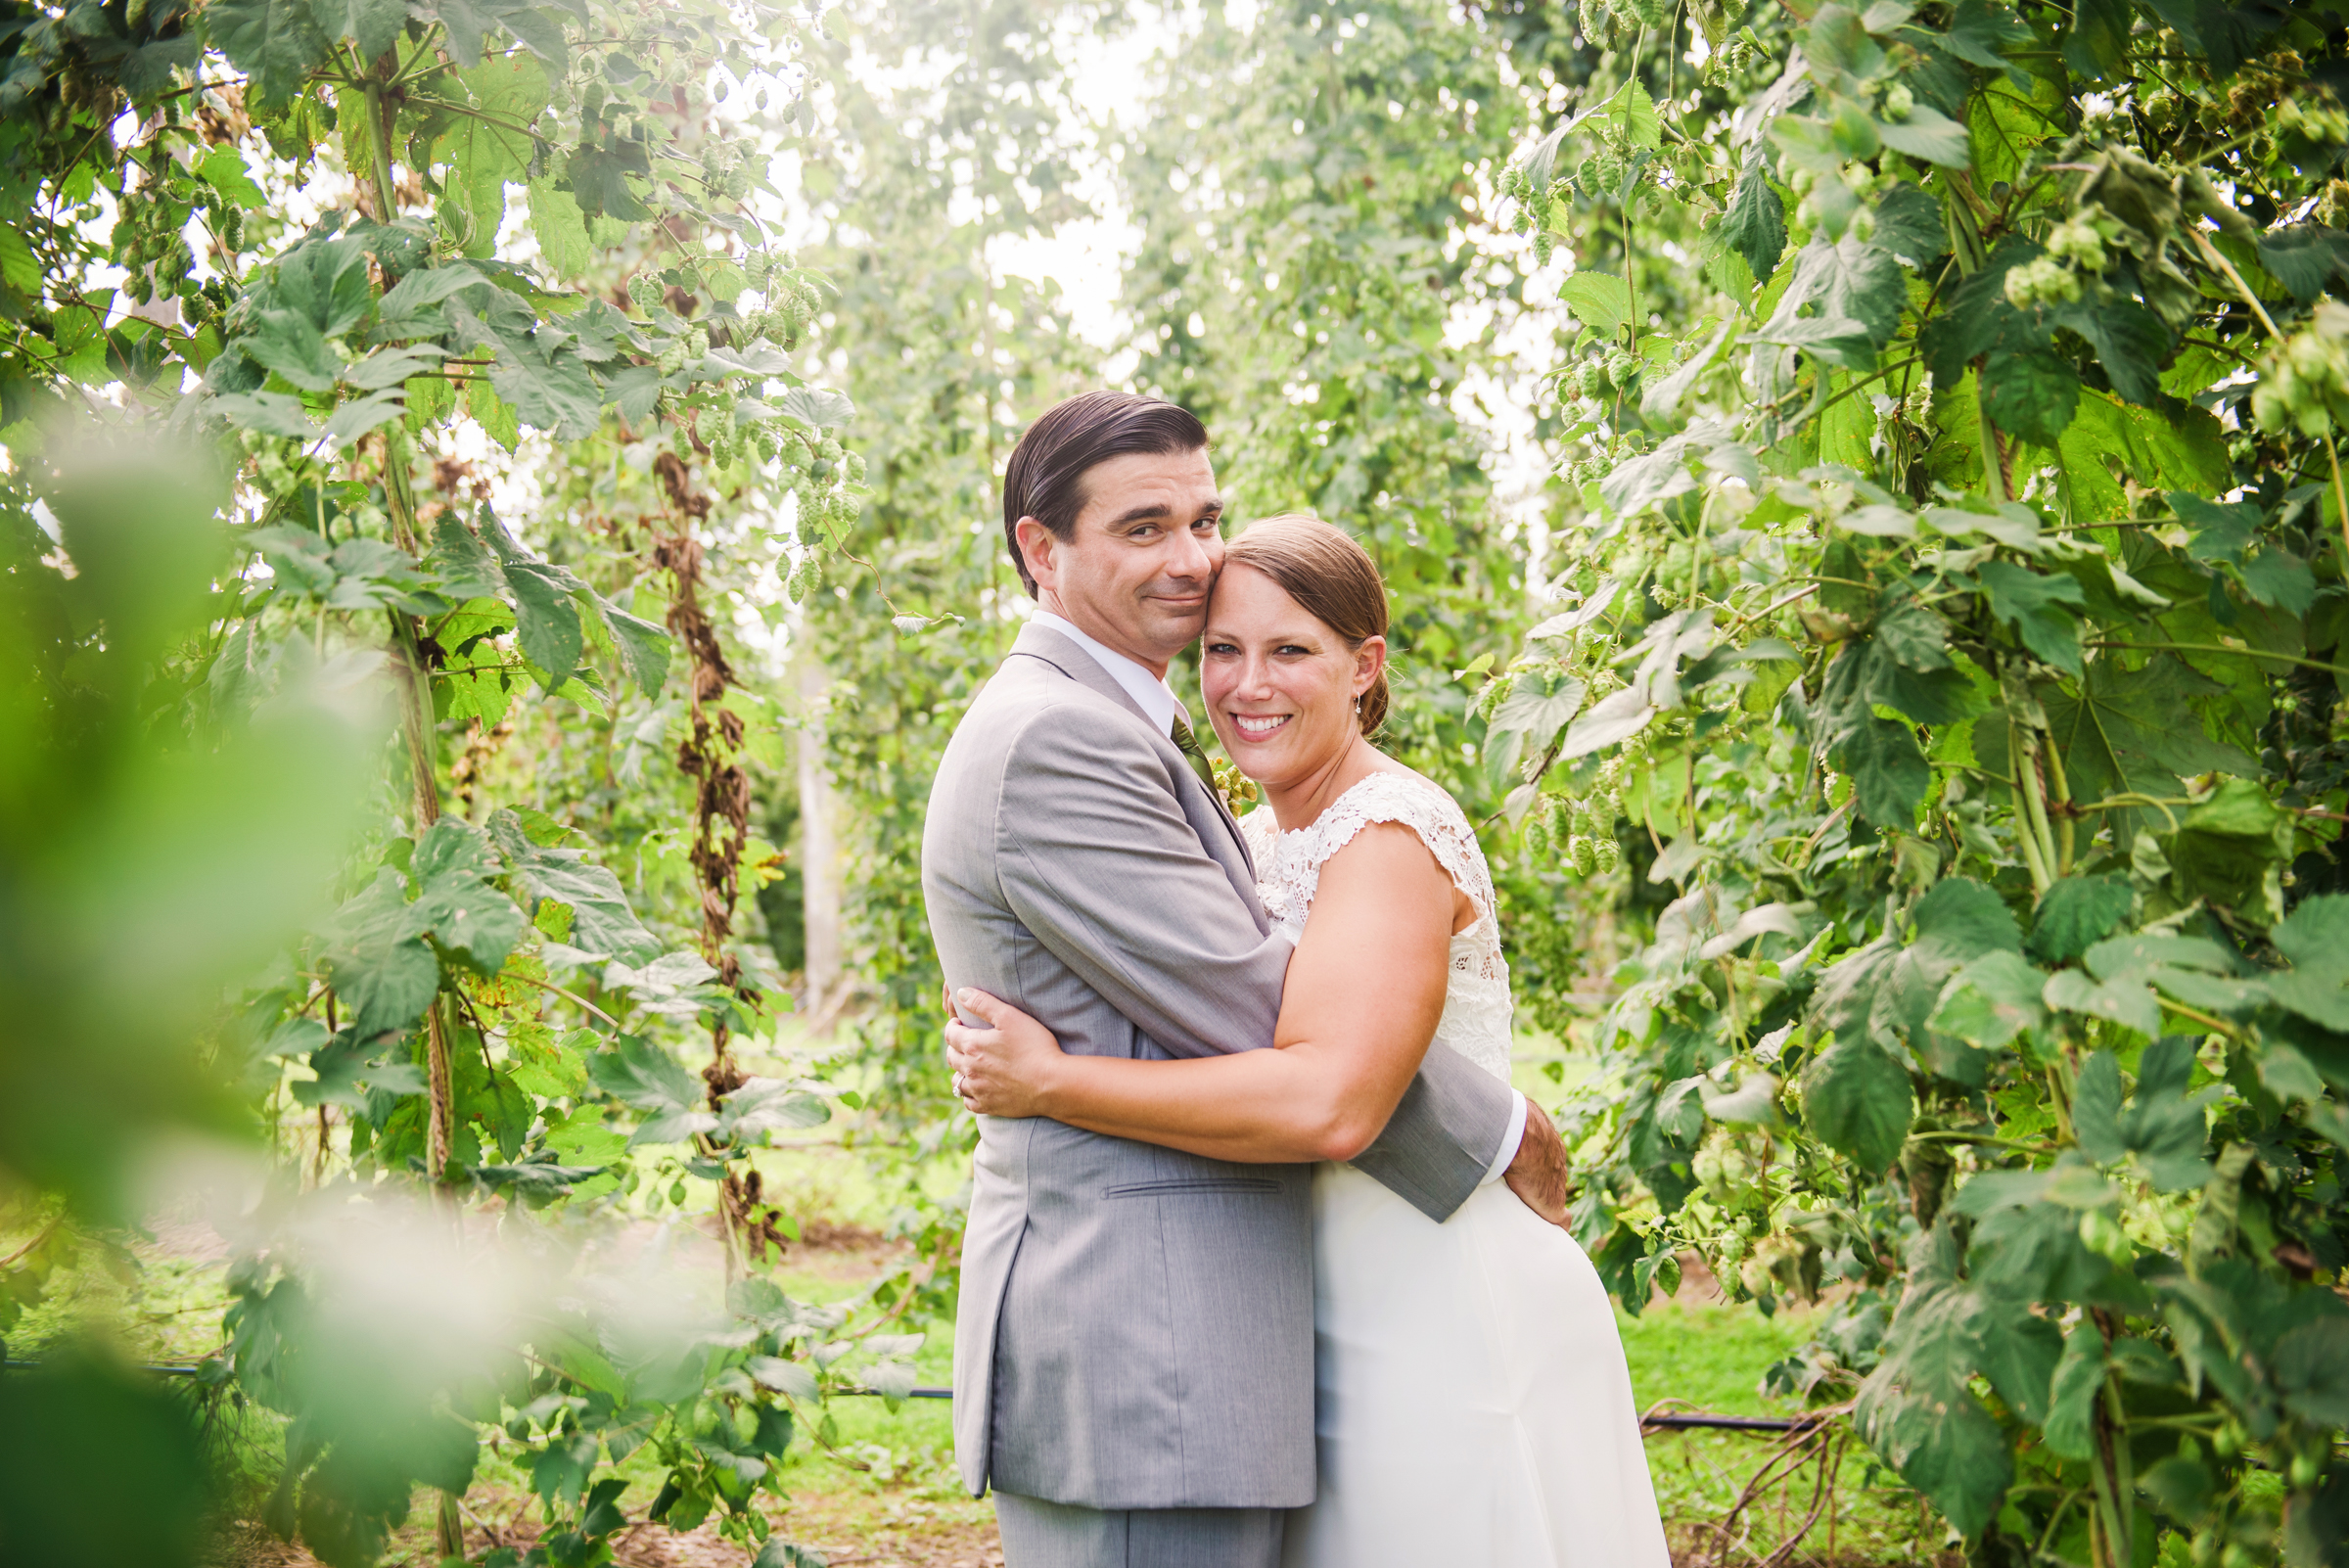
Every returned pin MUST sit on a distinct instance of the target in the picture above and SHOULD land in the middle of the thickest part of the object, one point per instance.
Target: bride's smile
(1280, 688)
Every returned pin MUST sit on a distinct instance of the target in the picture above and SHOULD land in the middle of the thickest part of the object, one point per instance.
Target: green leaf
(1908, 225)
(2077, 913)
(373, 24)
(1856, 1100)
(2165, 1126)
(2098, 40)
(2136, 731)
(640, 1075)
(2230, 844)
(2031, 395)
(1859, 291)
(2070, 1427)
(388, 368)
(18, 265)
(2305, 258)
(2128, 1004)
(1990, 1000)
(2162, 1125)
(601, 1514)
(2033, 1252)
(425, 288)
(2128, 340)
(1529, 718)
(2018, 1353)
(817, 408)
(325, 280)
(1889, 772)
(223, 168)
(559, 1474)
(276, 43)
(1980, 320)
(361, 415)
(455, 903)
(1981, 30)
(599, 180)
(1630, 114)
(467, 23)
(2041, 609)
(463, 563)
(2312, 1370)
(1959, 919)
(2180, 447)
(272, 413)
(561, 229)
(290, 344)
(547, 621)
(2277, 576)
(2315, 939)
(1599, 301)
(491, 145)
(1929, 136)
(552, 390)
(643, 648)
(602, 923)
(148, 71)
(764, 1106)
(1915, 1412)
(495, 414)
(384, 975)
(1904, 664)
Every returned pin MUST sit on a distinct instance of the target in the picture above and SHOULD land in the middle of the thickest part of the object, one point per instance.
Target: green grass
(880, 1474)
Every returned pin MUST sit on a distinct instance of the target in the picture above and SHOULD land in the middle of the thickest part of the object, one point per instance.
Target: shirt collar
(1151, 695)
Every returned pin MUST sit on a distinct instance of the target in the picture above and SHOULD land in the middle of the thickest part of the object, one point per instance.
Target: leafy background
(500, 524)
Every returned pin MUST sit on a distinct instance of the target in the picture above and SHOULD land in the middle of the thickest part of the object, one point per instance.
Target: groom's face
(1136, 570)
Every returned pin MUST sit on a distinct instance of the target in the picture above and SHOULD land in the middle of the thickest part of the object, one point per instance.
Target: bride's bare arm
(1364, 995)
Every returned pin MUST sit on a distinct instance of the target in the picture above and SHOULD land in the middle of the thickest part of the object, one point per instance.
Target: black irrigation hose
(1665, 1423)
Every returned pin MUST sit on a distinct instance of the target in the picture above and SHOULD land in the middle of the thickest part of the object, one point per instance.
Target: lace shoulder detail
(1476, 1008)
(1295, 859)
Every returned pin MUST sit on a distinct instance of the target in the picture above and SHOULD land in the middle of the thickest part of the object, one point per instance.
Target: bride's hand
(1004, 1069)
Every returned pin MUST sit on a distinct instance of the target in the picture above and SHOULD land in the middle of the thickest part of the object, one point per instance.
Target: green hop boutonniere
(1239, 792)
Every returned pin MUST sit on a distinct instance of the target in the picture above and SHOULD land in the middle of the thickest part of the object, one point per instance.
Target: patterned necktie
(1189, 744)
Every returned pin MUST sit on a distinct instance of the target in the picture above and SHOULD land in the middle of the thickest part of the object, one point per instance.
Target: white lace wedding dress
(1472, 1406)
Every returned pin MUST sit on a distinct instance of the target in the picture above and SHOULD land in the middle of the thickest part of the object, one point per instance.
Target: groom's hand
(1537, 1175)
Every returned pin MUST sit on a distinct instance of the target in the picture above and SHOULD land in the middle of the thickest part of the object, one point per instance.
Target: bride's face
(1279, 684)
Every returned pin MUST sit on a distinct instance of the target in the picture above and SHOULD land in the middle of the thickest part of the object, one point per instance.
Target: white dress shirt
(1155, 698)
(1157, 702)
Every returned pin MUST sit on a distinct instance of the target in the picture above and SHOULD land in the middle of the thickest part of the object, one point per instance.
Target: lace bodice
(1288, 867)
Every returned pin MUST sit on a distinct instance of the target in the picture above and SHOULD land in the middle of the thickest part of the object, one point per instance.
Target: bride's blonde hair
(1331, 577)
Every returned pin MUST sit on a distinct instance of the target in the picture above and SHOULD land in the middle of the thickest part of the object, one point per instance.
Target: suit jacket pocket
(1203, 1184)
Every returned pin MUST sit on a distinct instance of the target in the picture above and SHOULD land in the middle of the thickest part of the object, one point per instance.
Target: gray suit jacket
(1137, 1324)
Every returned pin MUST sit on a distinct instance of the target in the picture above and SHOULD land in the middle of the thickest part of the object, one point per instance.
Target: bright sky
(1111, 86)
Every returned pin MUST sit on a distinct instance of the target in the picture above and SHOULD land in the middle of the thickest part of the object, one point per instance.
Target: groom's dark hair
(1046, 477)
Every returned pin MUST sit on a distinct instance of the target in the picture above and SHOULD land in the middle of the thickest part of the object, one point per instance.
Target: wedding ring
(959, 1085)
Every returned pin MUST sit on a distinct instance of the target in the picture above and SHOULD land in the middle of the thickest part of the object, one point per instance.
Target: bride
(1472, 1404)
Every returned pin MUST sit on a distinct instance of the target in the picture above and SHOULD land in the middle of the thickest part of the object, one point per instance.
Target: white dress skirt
(1472, 1404)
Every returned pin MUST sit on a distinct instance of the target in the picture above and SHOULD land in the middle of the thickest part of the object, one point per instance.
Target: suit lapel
(1044, 644)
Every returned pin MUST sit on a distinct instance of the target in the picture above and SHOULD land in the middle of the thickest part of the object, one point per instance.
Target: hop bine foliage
(485, 1015)
(1956, 643)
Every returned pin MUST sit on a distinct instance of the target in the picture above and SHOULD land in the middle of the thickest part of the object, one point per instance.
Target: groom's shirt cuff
(1509, 1139)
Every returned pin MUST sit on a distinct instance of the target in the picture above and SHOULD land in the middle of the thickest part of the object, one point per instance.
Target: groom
(1134, 1356)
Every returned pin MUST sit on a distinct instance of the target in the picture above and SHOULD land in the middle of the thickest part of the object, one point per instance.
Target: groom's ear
(1040, 547)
